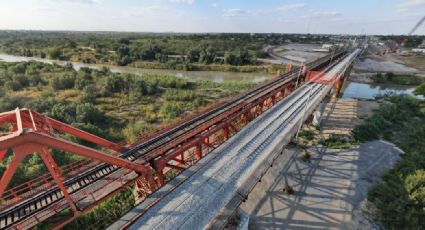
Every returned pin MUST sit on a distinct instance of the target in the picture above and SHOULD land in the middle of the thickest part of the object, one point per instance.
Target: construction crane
(403, 41)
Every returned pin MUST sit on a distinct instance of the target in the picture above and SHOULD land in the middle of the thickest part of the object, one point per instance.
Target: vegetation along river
(215, 76)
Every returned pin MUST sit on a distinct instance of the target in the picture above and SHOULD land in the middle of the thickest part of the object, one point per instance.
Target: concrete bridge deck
(221, 180)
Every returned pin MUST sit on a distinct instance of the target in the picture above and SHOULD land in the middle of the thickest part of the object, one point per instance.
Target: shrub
(171, 110)
(133, 131)
(5, 104)
(89, 94)
(13, 85)
(64, 112)
(84, 79)
(66, 81)
(88, 113)
(420, 90)
(42, 103)
(400, 198)
(115, 83)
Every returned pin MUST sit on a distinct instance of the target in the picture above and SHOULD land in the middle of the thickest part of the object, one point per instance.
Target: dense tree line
(409, 41)
(130, 48)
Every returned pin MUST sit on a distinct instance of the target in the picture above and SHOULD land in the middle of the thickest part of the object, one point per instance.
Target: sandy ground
(301, 51)
(328, 189)
(292, 53)
(362, 77)
(342, 115)
(372, 65)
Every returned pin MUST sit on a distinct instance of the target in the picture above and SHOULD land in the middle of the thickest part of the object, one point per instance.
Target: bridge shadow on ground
(327, 188)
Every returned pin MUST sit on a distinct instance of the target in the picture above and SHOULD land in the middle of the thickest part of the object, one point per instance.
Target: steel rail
(16, 213)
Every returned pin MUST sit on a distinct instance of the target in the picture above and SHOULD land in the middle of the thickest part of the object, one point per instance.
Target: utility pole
(299, 74)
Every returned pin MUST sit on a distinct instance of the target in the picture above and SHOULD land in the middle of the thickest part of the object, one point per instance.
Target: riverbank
(215, 76)
(367, 86)
(154, 65)
(400, 198)
(387, 78)
(270, 68)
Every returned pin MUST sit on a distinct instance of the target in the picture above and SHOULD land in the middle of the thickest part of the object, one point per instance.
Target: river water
(370, 91)
(215, 76)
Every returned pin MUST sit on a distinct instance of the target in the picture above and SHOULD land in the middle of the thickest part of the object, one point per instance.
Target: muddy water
(215, 76)
(370, 91)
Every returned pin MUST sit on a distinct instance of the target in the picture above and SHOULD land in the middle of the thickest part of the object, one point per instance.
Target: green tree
(88, 113)
(138, 88)
(193, 55)
(66, 81)
(89, 94)
(55, 53)
(5, 104)
(83, 79)
(115, 83)
(64, 112)
(230, 58)
(12, 85)
(207, 55)
(420, 90)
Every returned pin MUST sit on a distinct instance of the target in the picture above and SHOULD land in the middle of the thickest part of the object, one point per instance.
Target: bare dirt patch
(372, 65)
(342, 115)
(415, 61)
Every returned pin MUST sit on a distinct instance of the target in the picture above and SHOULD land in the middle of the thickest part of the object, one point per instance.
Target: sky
(247, 16)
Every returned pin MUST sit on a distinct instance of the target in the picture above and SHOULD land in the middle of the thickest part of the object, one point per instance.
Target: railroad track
(16, 213)
(295, 102)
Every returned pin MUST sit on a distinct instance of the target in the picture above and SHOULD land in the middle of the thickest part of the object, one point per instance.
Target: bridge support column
(225, 133)
(199, 151)
(318, 114)
(337, 89)
(340, 82)
(160, 175)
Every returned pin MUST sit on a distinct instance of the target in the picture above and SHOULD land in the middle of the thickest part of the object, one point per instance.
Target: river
(215, 76)
(370, 91)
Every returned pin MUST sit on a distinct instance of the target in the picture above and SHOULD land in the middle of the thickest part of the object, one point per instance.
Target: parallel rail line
(162, 142)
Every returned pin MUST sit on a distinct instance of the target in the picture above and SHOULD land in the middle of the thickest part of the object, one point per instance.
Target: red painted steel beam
(56, 174)
(161, 162)
(175, 167)
(10, 170)
(67, 146)
(84, 135)
(208, 128)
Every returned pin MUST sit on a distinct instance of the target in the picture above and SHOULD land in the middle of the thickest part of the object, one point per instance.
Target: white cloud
(214, 4)
(294, 6)
(230, 13)
(409, 5)
(190, 2)
(80, 1)
(153, 8)
(325, 14)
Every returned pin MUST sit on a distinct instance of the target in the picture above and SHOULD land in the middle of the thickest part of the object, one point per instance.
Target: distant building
(418, 50)
(327, 46)
(422, 45)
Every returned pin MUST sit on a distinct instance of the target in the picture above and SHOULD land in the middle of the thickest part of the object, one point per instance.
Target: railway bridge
(192, 175)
